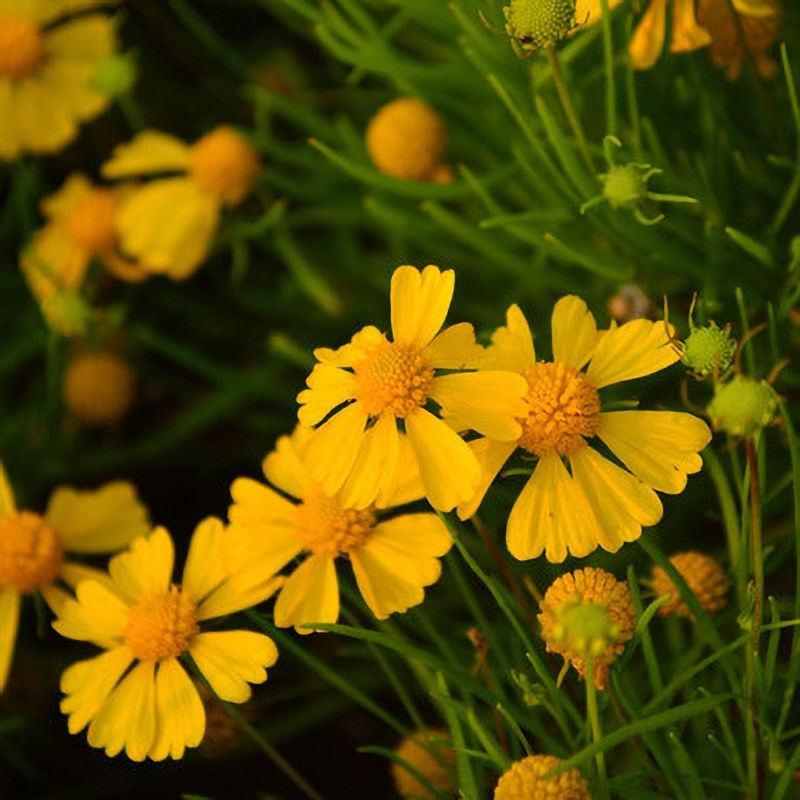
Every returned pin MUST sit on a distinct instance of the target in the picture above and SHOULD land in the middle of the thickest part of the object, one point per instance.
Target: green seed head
(540, 23)
(586, 629)
(623, 186)
(743, 406)
(709, 349)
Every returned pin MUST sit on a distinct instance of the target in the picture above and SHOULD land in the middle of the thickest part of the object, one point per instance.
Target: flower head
(537, 24)
(361, 392)
(99, 387)
(429, 754)
(596, 502)
(136, 696)
(406, 139)
(393, 559)
(167, 224)
(48, 54)
(525, 780)
(587, 616)
(704, 576)
(742, 406)
(708, 350)
(35, 549)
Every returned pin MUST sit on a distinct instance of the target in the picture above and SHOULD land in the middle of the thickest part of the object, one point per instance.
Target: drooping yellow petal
(620, 502)
(329, 387)
(310, 595)
(284, 466)
(551, 516)
(96, 615)
(55, 597)
(87, 685)
(7, 503)
(406, 487)
(146, 567)
(42, 122)
(512, 345)
(230, 660)
(374, 469)
(660, 447)
(89, 39)
(588, 12)
(455, 348)
(74, 574)
(574, 332)
(127, 720)
(205, 565)
(491, 456)
(420, 302)
(9, 622)
(61, 202)
(648, 38)
(228, 597)
(635, 349)
(687, 33)
(449, 470)
(398, 560)
(98, 521)
(180, 716)
(150, 152)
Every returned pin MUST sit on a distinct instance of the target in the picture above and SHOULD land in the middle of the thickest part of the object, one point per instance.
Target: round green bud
(743, 406)
(540, 23)
(67, 313)
(623, 186)
(709, 349)
(586, 629)
(115, 75)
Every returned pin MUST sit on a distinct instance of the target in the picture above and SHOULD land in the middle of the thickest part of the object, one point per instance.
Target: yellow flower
(587, 616)
(33, 547)
(373, 382)
(430, 754)
(139, 617)
(99, 387)
(167, 225)
(704, 576)
(48, 57)
(596, 502)
(406, 139)
(393, 560)
(525, 781)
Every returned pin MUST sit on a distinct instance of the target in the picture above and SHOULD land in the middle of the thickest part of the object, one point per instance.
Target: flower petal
(491, 456)
(420, 302)
(512, 346)
(205, 565)
(180, 716)
(285, 468)
(574, 332)
(96, 615)
(230, 660)
(329, 387)
(455, 348)
(147, 153)
(310, 595)
(648, 38)
(9, 622)
(687, 33)
(228, 597)
(406, 487)
(146, 567)
(355, 350)
(7, 503)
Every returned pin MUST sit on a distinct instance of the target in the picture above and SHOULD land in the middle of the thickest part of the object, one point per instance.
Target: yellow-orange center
(90, 221)
(30, 552)
(563, 408)
(327, 528)
(161, 625)
(223, 163)
(394, 378)
(21, 47)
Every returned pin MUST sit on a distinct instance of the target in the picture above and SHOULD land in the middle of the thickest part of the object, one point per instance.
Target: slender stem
(597, 731)
(611, 87)
(569, 109)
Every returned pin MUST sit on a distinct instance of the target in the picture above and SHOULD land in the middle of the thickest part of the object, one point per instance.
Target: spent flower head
(704, 576)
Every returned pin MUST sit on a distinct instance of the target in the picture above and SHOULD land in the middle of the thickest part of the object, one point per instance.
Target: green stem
(597, 731)
(611, 87)
(569, 108)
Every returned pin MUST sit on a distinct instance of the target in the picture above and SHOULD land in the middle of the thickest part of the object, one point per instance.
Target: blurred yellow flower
(99, 387)
(430, 754)
(525, 780)
(140, 617)
(704, 576)
(167, 225)
(372, 383)
(393, 560)
(49, 51)
(596, 502)
(586, 617)
(33, 547)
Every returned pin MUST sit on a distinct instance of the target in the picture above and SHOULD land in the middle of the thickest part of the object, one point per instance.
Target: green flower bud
(536, 24)
(709, 349)
(115, 75)
(624, 186)
(586, 629)
(743, 406)
(67, 313)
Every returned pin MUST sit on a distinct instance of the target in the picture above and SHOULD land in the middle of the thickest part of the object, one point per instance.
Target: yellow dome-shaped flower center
(563, 408)
(327, 528)
(223, 163)
(525, 780)
(30, 552)
(90, 221)
(21, 47)
(161, 625)
(393, 378)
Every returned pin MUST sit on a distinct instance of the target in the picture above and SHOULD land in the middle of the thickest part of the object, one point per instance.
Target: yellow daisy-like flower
(704, 576)
(430, 754)
(373, 382)
(596, 502)
(136, 696)
(393, 559)
(167, 225)
(586, 616)
(34, 547)
(525, 780)
(48, 56)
